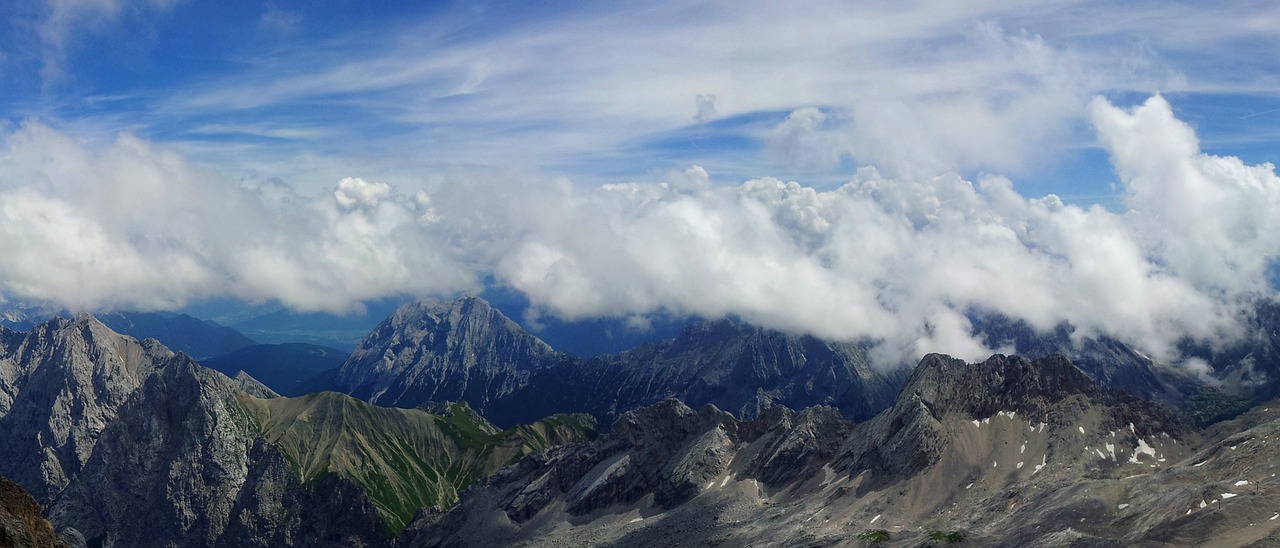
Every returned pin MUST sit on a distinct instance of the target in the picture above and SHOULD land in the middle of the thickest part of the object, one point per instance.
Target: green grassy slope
(404, 458)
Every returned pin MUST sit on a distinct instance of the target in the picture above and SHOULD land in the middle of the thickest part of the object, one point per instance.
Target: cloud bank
(899, 260)
(132, 225)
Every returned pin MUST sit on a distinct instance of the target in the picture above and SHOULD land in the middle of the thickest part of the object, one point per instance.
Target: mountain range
(1007, 452)
(453, 426)
(466, 350)
(127, 443)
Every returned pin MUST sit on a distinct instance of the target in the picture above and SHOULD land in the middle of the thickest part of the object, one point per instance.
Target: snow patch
(1226, 496)
(995, 464)
(1203, 503)
(1242, 482)
(968, 486)
(1081, 429)
(1123, 506)
(637, 520)
(976, 423)
(724, 481)
(1201, 463)
(1111, 448)
(1022, 449)
(1272, 518)
(873, 520)
(1019, 467)
(830, 475)
(1142, 448)
(1101, 455)
(988, 421)
(1043, 461)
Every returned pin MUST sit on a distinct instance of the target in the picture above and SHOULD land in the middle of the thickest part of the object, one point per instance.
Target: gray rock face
(911, 436)
(665, 454)
(132, 445)
(744, 369)
(1249, 369)
(429, 351)
(183, 462)
(468, 351)
(61, 384)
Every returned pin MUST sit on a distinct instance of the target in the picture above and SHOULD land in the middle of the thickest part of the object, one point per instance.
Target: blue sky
(871, 169)
(309, 92)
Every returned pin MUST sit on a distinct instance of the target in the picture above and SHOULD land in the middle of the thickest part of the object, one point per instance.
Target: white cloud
(133, 225)
(902, 260)
(896, 259)
(355, 192)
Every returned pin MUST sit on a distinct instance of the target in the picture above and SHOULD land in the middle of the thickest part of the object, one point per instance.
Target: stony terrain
(1006, 452)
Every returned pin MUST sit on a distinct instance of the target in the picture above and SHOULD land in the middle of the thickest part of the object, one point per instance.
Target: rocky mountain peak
(448, 325)
(443, 351)
(63, 381)
(1000, 383)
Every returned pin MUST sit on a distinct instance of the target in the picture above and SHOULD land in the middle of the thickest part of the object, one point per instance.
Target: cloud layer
(899, 260)
(130, 224)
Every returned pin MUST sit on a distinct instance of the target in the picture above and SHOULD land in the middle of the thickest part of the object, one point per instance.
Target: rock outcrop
(21, 525)
(61, 385)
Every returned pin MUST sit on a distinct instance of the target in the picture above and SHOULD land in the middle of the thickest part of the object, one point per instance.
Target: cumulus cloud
(901, 260)
(355, 192)
(804, 139)
(893, 259)
(133, 225)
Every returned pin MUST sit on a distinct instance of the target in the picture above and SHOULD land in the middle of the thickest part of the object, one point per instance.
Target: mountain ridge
(130, 444)
(437, 350)
(667, 474)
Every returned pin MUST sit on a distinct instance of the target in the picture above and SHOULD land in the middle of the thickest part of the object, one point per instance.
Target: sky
(869, 170)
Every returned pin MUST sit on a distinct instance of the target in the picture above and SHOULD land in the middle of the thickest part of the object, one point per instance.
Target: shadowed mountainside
(467, 351)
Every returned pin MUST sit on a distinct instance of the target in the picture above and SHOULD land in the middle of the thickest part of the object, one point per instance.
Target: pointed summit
(66, 379)
(463, 350)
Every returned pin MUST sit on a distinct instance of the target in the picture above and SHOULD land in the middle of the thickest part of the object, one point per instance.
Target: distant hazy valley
(449, 424)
